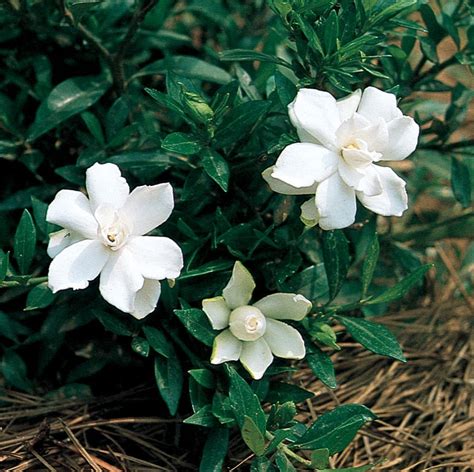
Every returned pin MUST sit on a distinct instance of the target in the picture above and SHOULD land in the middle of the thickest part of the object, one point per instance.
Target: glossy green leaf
(401, 288)
(216, 168)
(115, 323)
(373, 336)
(250, 55)
(203, 417)
(252, 436)
(285, 88)
(67, 99)
(181, 143)
(158, 341)
(240, 121)
(197, 323)
(369, 264)
(336, 429)
(215, 451)
(203, 377)
(282, 392)
(336, 259)
(321, 365)
(169, 379)
(244, 402)
(283, 463)
(14, 371)
(24, 242)
(461, 182)
(39, 297)
(187, 66)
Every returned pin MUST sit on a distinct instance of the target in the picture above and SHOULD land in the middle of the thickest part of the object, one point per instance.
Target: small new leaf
(252, 436)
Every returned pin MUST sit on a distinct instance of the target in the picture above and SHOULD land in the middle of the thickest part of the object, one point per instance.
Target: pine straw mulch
(425, 409)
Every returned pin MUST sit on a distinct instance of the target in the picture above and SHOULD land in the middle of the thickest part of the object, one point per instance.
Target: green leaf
(215, 451)
(197, 323)
(282, 392)
(4, 263)
(67, 99)
(158, 341)
(336, 259)
(283, 463)
(320, 458)
(250, 55)
(14, 371)
(141, 346)
(311, 283)
(24, 242)
(39, 213)
(187, 66)
(461, 182)
(281, 415)
(216, 168)
(252, 436)
(331, 32)
(117, 117)
(401, 288)
(114, 323)
(203, 377)
(261, 464)
(203, 417)
(322, 333)
(336, 429)
(321, 365)
(39, 297)
(240, 121)
(370, 263)
(181, 143)
(169, 379)
(285, 88)
(94, 126)
(373, 336)
(244, 402)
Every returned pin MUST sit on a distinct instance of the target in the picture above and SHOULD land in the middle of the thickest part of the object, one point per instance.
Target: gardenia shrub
(207, 203)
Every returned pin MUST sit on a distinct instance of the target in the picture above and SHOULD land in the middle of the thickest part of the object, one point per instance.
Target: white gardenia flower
(340, 143)
(105, 234)
(253, 334)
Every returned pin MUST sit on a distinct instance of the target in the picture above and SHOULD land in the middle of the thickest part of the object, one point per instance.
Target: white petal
(71, 210)
(304, 164)
(347, 106)
(217, 311)
(256, 357)
(76, 265)
(402, 139)
(146, 298)
(238, 291)
(393, 200)
(148, 206)
(336, 203)
(364, 179)
(156, 257)
(283, 188)
(60, 240)
(284, 306)
(309, 213)
(315, 113)
(376, 104)
(226, 347)
(284, 340)
(120, 280)
(106, 186)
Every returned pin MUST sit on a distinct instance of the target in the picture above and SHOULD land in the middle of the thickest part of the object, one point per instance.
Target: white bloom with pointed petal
(335, 161)
(105, 234)
(254, 333)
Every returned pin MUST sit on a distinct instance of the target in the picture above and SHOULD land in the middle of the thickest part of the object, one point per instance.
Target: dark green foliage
(196, 94)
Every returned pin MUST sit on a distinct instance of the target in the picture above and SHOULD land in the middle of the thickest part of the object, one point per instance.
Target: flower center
(113, 231)
(247, 323)
(357, 154)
